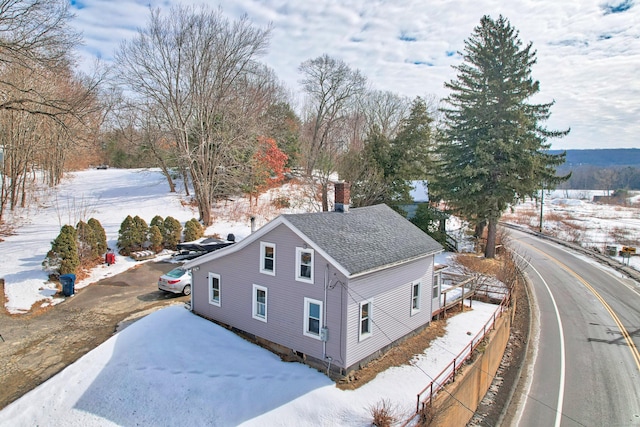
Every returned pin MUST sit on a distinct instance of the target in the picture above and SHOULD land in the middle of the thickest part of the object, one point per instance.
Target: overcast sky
(588, 50)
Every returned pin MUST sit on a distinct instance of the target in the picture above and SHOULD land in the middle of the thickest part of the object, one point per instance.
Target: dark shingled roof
(365, 239)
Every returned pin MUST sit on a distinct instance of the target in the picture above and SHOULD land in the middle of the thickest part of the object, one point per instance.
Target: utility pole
(541, 204)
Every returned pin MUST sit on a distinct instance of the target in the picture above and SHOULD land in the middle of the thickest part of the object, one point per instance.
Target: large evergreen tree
(494, 150)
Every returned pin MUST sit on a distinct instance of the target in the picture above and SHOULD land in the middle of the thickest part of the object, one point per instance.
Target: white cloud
(588, 60)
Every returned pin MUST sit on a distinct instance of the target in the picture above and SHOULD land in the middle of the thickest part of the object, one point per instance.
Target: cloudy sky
(588, 50)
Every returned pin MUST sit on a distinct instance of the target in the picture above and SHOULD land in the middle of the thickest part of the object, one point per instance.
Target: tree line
(189, 94)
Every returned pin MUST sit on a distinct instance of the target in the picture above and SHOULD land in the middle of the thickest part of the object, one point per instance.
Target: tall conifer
(494, 149)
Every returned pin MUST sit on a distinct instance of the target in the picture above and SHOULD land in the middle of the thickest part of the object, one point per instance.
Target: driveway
(36, 347)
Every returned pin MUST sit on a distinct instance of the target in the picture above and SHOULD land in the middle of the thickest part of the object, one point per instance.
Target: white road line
(562, 355)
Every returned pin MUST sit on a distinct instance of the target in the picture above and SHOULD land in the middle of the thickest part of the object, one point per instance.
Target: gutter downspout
(324, 309)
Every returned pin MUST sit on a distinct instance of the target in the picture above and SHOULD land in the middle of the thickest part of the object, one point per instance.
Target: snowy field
(571, 215)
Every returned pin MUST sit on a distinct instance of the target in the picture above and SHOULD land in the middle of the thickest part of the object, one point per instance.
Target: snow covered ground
(172, 367)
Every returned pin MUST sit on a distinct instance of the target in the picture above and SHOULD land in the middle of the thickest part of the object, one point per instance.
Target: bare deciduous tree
(200, 70)
(332, 90)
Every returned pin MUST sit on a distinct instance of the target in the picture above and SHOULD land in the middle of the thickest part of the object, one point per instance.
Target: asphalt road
(37, 346)
(585, 339)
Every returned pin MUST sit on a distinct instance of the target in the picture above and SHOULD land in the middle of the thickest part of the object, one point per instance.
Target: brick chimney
(342, 196)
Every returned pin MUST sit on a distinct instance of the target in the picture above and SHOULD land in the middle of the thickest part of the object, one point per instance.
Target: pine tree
(494, 150)
(172, 232)
(155, 237)
(125, 239)
(157, 221)
(139, 234)
(63, 255)
(100, 242)
(193, 230)
(85, 241)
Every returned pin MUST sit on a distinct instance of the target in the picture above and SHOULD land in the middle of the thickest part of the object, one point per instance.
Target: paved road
(36, 347)
(586, 367)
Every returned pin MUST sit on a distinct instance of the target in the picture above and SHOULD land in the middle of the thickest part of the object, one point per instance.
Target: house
(334, 288)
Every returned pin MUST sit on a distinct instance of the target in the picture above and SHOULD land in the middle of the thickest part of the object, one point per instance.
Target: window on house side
(214, 289)
(436, 291)
(304, 265)
(312, 318)
(415, 298)
(260, 303)
(268, 258)
(365, 319)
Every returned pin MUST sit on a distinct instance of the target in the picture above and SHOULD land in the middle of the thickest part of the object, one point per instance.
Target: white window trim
(299, 252)
(254, 303)
(211, 300)
(305, 331)
(364, 336)
(436, 287)
(419, 296)
(263, 246)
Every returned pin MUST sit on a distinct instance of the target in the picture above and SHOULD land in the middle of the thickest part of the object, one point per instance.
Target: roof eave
(394, 264)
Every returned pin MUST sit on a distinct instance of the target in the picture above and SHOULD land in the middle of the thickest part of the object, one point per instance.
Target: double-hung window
(312, 318)
(214, 289)
(436, 288)
(415, 298)
(366, 324)
(304, 265)
(259, 305)
(268, 258)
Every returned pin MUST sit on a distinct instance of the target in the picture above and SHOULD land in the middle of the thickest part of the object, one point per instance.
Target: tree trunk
(167, 174)
(325, 196)
(185, 179)
(490, 249)
(479, 231)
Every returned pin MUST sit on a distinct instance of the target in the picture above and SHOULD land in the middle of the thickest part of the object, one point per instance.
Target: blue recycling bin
(68, 282)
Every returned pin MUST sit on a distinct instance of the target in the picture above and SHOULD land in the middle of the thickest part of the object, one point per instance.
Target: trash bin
(68, 282)
(110, 258)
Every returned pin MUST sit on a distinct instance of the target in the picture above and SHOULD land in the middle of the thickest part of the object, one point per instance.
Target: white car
(177, 281)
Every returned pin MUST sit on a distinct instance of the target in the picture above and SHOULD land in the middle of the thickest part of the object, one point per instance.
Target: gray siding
(392, 317)
(240, 270)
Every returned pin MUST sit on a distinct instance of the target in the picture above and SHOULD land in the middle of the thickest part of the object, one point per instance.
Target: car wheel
(187, 290)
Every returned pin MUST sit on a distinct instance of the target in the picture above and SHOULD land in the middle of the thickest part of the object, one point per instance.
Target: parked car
(177, 281)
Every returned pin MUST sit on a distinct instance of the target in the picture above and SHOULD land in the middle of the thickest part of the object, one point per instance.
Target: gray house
(334, 288)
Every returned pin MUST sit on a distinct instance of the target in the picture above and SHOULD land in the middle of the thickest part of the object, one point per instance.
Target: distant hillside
(603, 157)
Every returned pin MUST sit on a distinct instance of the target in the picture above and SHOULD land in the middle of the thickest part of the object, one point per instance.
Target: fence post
(454, 370)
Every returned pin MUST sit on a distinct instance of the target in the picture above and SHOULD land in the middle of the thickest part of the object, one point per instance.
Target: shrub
(63, 255)
(132, 235)
(155, 237)
(171, 233)
(125, 238)
(140, 233)
(383, 414)
(85, 241)
(193, 230)
(100, 237)
(157, 221)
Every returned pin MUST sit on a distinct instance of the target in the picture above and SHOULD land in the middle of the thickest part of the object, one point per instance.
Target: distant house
(333, 288)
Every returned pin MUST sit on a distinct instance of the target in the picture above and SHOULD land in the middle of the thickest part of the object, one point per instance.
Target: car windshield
(176, 272)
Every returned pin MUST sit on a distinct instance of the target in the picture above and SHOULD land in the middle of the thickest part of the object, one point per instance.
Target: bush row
(86, 244)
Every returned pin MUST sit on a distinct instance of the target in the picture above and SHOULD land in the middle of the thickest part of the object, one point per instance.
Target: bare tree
(36, 40)
(386, 111)
(332, 89)
(200, 70)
